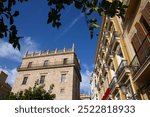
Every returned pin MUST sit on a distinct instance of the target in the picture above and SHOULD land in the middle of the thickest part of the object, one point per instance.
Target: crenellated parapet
(49, 52)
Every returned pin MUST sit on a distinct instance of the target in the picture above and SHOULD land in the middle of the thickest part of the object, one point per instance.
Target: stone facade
(58, 67)
(5, 88)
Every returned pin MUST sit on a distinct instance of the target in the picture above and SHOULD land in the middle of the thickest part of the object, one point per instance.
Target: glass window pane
(30, 64)
(65, 61)
(24, 80)
(46, 63)
(42, 79)
(63, 77)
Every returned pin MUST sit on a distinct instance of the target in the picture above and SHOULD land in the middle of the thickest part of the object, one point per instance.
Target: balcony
(104, 69)
(122, 71)
(114, 40)
(109, 56)
(47, 66)
(98, 86)
(141, 60)
(106, 34)
(101, 80)
(102, 51)
(135, 65)
(113, 84)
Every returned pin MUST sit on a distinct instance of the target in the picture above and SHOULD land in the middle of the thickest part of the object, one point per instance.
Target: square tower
(58, 67)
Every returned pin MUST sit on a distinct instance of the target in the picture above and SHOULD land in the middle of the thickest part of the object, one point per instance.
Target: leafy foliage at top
(88, 7)
(7, 26)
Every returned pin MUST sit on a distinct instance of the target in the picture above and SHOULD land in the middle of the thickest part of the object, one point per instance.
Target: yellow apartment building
(122, 60)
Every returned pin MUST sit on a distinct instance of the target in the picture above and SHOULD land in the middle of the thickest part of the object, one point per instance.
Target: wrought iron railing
(141, 55)
(122, 65)
(113, 83)
(134, 65)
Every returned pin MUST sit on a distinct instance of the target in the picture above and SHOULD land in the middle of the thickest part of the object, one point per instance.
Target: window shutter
(146, 13)
(135, 42)
(140, 32)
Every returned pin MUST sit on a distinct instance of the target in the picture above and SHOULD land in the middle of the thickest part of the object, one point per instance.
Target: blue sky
(38, 35)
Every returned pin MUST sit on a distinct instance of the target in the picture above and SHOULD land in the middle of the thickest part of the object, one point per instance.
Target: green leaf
(58, 24)
(95, 26)
(13, 27)
(1, 35)
(49, 20)
(93, 20)
(11, 20)
(78, 4)
(16, 13)
(96, 8)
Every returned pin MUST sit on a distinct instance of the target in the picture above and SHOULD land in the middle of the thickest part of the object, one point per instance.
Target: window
(112, 66)
(144, 24)
(63, 78)
(42, 79)
(62, 90)
(110, 26)
(119, 51)
(96, 97)
(117, 96)
(45, 63)
(30, 64)
(65, 61)
(24, 80)
(107, 81)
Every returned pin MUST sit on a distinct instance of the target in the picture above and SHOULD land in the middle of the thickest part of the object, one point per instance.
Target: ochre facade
(122, 61)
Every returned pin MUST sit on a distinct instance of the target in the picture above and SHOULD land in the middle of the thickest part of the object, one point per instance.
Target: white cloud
(85, 66)
(28, 44)
(11, 75)
(28, 41)
(70, 26)
(85, 84)
(7, 50)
